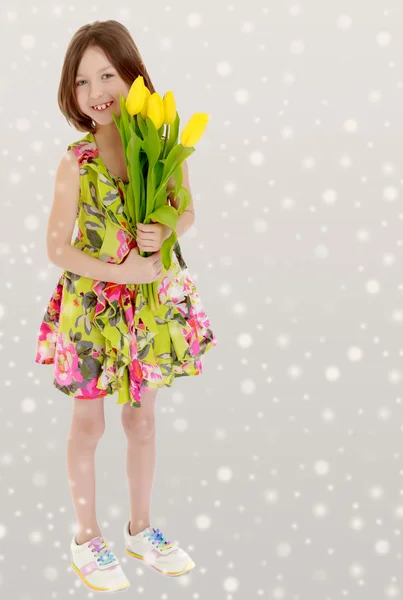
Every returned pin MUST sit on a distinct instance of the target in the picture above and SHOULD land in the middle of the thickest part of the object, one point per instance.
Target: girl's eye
(78, 82)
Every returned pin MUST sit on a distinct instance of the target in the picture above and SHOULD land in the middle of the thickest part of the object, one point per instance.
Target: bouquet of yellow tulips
(148, 127)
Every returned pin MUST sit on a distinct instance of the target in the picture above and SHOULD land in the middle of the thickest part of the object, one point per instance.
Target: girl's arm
(61, 224)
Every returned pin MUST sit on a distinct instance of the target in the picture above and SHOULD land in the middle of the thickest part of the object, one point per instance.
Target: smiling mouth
(106, 104)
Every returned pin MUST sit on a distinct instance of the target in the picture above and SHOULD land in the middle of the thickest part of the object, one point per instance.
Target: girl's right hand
(139, 269)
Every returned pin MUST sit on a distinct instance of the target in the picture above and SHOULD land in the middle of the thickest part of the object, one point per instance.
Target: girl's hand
(151, 237)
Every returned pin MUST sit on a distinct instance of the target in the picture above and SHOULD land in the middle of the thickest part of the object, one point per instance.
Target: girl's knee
(88, 418)
(140, 427)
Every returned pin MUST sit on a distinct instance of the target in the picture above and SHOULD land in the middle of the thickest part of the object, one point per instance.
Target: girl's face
(98, 82)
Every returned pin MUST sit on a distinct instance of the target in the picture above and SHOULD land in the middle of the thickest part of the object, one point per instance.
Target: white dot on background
(178, 397)
(225, 289)
(256, 158)
(50, 573)
(344, 22)
(247, 27)
(283, 550)
(382, 547)
(28, 405)
(180, 425)
(350, 126)
(383, 38)
(2, 311)
(354, 353)
(260, 225)
(389, 259)
(226, 261)
(297, 47)
(114, 511)
(287, 203)
(372, 286)
(375, 96)
(328, 415)
(376, 492)
(165, 43)
(230, 584)
(27, 42)
(39, 479)
(321, 251)
(224, 474)
(223, 68)
(31, 223)
(329, 197)
(194, 20)
(245, 340)
(321, 467)
(230, 187)
(203, 522)
(22, 124)
(239, 308)
(248, 386)
(332, 373)
(294, 371)
(390, 194)
(3, 531)
(11, 16)
(242, 96)
(271, 496)
(37, 146)
(320, 510)
(5, 248)
(362, 235)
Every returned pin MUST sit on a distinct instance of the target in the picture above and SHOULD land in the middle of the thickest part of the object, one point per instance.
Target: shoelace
(157, 539)
(102, 552)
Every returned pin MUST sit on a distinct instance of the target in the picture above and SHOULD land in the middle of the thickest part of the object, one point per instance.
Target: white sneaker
(157, 553)
(97, 566)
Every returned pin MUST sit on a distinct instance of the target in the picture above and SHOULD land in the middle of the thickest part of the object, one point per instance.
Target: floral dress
(101, 336)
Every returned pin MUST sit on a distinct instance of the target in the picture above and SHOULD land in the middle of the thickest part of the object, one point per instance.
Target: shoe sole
(99, 589)
(190, 565)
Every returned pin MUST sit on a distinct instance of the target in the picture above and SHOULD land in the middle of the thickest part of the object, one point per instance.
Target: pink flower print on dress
(67, 371)
(91, 391)
(87, 155)
(127, 243)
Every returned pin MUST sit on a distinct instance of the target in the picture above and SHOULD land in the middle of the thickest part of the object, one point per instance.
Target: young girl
(91, 331)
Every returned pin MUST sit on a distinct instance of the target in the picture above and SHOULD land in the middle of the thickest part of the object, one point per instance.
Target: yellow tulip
(155, 110)
(136, 96)
(194, 129)
(169, 108)
(144, 109)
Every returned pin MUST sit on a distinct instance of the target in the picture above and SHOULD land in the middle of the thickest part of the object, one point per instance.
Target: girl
(96, 331)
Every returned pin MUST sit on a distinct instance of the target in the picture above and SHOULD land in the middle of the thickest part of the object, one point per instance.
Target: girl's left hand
(151, 237)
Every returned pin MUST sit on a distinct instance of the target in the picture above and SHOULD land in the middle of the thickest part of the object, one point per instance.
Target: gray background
(279, 469)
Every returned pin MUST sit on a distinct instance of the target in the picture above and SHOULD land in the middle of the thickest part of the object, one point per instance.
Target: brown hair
(117, 43)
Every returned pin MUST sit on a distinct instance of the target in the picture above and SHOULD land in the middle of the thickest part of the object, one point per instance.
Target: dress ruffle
(146, 350)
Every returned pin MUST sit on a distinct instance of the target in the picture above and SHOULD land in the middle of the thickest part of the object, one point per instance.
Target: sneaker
(157, 553)
(97, 566)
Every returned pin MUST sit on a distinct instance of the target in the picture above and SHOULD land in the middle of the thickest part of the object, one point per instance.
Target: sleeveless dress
(101, 336)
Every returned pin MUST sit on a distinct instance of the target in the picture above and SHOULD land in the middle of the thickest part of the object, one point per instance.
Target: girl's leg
(139, 426)
(87, 427)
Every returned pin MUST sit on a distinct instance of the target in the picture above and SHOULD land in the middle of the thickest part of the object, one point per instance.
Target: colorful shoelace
(158, 539)
(102, 552)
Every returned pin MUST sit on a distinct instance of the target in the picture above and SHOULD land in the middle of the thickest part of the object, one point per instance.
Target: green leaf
(167, 215)
(173, 160)
(166, 250)
(173, 134)
(142, 125)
